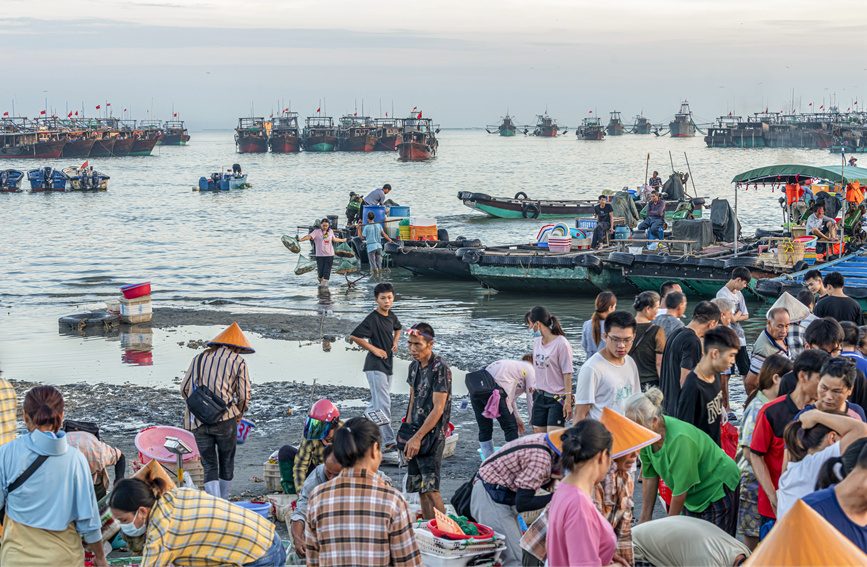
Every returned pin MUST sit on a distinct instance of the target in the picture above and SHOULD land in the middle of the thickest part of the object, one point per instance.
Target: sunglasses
(413, 331)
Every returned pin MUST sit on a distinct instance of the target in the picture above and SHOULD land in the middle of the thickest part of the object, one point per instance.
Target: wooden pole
(736, 220)
(646, 170)
(694, 190)
(843, 188)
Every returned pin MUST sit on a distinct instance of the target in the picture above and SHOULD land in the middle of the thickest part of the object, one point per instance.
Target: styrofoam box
(138, 306)
(422, 221)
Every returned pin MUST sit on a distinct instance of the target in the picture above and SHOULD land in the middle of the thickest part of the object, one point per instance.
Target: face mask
(535, 333)
(131, 530)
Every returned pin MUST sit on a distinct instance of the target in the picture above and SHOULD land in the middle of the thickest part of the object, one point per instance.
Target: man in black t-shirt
(683, 352)
(379, 334)
(603, 212)
(837, 304)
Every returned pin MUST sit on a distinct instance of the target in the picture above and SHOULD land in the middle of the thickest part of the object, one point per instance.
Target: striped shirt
(527, 469)
(357, 519)
(225, 373)
(8, 412)
(192, 528)
(99, 455)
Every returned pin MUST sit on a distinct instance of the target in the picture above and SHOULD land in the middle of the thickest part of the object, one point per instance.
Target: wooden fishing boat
(251, 135)
(641, 125)
(319, 134)
(432, 259)
(590, 129)
(10, 180)
(355, 134)
(418, 141)
(146, 134)
(546, 127)
(683, 125)
(507, 127)
(86, 178)
(285, 136)
(174, 134)
(387, 133)
(615, 125)
(20, 138)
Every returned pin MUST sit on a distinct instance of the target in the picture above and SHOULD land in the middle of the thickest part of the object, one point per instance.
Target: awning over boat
(794, 173)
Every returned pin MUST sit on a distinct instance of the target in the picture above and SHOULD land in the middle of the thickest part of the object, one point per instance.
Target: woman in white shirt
(812, 439)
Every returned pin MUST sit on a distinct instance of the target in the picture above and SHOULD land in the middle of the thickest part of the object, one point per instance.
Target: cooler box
(378, 211)
(136, 310)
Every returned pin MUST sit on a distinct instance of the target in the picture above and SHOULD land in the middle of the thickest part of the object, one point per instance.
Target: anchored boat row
(83, 178)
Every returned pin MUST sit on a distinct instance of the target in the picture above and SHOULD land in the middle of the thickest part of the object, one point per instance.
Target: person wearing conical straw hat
(222, 372)
(800, 317)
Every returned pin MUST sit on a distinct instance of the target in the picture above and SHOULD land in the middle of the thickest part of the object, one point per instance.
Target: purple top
(324, 242)
(657, 210)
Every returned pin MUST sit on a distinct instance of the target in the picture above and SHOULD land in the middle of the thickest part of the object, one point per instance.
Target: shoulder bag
(204, 403)
(22, 478)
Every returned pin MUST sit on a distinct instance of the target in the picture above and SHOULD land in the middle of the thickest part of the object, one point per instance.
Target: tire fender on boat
(472, 256)
(745, 262)
(519, 194)
(587, 261)
(530, 211)
(621, 258)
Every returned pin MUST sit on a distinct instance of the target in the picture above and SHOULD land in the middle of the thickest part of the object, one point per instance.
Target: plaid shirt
(357, 519)
(225, 373)
(98, 454)
(795, 338)
(192, 528)
(8, 412)
(529, 469)
(309, 457)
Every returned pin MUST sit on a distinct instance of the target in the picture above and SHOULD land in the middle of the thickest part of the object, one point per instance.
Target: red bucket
(136, 290)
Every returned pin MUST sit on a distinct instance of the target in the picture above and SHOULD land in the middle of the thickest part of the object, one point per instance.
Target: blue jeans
(380, 398)
(653, 226)
(274, 557)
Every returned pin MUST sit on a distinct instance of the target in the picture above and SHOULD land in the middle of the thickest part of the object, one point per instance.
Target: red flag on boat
(822, 107)
(176, 114)
(355, 114)
(811, 104)
(69, 115)
(318, 109)
(124, 110)
(84, 164)
(97, 107)
(414, 108)
(730, 113)
(5, 114)
(386, 114)
(41, 112)
(419, 115)
(108, 104)
(591, 112)
(76, 113)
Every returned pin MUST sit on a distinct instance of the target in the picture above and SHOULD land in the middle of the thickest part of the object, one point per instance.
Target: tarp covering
(794, 173)
(624, 206)
(673, 187)
(699, 231)
(723, 218)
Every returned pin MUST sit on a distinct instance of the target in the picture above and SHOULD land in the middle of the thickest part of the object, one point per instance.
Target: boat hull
(505, 208)
(174, 140)
(559, 280)
(78, 148)
(680, 129)
(252, 145)
(319, 143)
(434, 262)
(413, 151)
(122, 147)
(102, 148)
(507, 132)
(284, 144)
(695, 281)
(357, 144)
(44, 150)
(142, 147)
(386, 144)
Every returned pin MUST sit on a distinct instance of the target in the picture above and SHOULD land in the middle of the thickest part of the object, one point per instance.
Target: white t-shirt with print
(605, 385)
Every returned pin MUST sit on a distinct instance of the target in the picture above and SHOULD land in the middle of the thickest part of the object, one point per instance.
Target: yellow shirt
(8, 412)
(189, 527)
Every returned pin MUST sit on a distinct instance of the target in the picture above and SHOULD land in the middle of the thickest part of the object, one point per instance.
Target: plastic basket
(429, 543)
(271, 473)
(405, 232)
(423, 233)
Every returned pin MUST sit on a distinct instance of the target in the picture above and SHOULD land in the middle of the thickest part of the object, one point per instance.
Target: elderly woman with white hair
(702, 478)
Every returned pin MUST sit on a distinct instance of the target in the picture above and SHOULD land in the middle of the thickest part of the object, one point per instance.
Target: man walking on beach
(379, 334)
(430, 402)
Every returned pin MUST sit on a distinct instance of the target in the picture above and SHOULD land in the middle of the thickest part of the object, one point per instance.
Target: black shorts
(547, 411)
(423, 472)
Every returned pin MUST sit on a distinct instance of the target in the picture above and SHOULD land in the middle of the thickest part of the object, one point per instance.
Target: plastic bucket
(136, 290)
(378, 211)
(622, 232)
(401, 212)
(244, 429)
(261, 508)
(150, 441)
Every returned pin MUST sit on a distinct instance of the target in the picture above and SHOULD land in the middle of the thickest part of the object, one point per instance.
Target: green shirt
(690, 462)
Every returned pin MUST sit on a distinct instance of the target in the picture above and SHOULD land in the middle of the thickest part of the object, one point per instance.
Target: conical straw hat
(797, 310)
(233, 337)
(555, 439)
(803, 538)
(628, 435)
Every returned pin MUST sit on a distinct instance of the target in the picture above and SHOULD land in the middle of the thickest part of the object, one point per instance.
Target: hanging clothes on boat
(854, 193)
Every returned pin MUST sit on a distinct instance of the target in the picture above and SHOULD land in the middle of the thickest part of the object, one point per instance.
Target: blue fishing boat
(47, 179)
(233, 179)
(10, 180)
(853, 267)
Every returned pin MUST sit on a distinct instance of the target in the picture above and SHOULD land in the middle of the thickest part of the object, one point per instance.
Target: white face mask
(131, 530)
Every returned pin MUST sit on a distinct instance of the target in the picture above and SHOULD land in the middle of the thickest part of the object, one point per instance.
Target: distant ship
(355, 134)
(174, 134)
(545, 126)
(591, 129)
(615, 125)
(642, 125)
(682, 126)
(285, 136)
(418, 140)
(251, 135)
(506, 128)
(319, 134)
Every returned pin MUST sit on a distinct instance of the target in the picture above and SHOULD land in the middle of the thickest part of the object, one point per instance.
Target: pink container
(136, 290)
(150, 441)
(559, 248)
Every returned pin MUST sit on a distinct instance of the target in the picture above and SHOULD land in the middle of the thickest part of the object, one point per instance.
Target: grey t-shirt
(376, 197)
(669, 323)
(698, 543)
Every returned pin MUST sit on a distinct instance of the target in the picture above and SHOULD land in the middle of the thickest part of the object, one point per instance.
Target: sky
(465, 64)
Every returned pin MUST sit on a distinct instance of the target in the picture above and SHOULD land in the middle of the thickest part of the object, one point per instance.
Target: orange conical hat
(628, 435)
(233, 337)
(803, 538)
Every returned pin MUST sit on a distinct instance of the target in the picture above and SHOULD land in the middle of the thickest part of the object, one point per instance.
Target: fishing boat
(546, 126)
(615, 125)
(507, 127)
(147, 134)
(231, 179)
(387, 133)
(10, 180)
(79, 140)
(683, 125)
(123, 132)
(418, 140)
(251, 135)
(85, 178)
(521, 206)
(735, 132)
(432, 259)
(47, 179)
(355, 134)
(641, 125)
(319, 134)
(285, 136)
(590, 129)
(19, 138)
(103, 144)
(174, 134)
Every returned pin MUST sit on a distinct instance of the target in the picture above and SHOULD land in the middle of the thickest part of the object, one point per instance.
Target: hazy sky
(463, 63)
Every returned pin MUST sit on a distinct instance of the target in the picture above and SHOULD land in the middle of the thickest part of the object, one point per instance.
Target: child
(373, 234)
(378, 334)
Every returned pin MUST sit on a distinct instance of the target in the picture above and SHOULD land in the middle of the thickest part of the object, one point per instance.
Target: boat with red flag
(20, 138)
(285, 136)
(355, 134)
(174, 134)
(418, 139)
(251, 135)
(387, 132)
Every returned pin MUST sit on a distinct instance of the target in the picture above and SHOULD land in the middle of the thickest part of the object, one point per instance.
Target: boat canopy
(791, 174)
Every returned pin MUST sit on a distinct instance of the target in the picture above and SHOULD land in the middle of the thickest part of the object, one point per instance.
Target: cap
(233, 337)
(803, 538)
(628, 435)
(797, 310)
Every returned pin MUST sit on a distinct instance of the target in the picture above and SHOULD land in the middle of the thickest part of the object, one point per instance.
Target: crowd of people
(649, 404)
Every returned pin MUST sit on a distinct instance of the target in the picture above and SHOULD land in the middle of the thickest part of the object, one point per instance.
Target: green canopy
(793, 173)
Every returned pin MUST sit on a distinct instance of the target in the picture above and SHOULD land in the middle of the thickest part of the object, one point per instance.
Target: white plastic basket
(451, 548)
(431, 560)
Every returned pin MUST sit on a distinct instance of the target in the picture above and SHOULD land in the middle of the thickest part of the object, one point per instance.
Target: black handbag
(203, 403)
(407, 431)
(480, 382)
(86, 426)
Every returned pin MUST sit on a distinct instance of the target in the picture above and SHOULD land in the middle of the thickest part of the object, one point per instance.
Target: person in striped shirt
(8, 411)
(356, 518)
(222, 369)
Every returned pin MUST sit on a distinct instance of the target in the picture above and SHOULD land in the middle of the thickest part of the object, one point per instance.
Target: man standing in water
(430, 402)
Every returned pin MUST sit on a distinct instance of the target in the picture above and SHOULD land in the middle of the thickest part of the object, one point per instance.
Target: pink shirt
(551, 362)
(578, 535)
(324, 242)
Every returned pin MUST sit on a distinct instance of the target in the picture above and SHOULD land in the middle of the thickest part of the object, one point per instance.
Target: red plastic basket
(484, 531)
(136, 290)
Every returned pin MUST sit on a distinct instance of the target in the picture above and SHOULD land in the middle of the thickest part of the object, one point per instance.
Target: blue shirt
(825, 503)
(860, 361)
(58, 493)
(850, 408)
(372, 234)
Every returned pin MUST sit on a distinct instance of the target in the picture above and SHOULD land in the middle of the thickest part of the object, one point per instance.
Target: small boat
(387, 133)
(418, 141)
(319, 134)
(506, 128)
(232, 179)
(683, 125)
(85, 178)
(590, 129)
(432, 259)
(47, 179)
(251, 136)
(615, 125)
(10, 180)
(546, 126)
(355, 134)
(285, 136)
(174, 134)
(641, 125)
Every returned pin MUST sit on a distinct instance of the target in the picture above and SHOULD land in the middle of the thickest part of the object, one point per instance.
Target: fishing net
(304, 265)
(347, 266)
(466, 526)
(344, 251)
(291, 243)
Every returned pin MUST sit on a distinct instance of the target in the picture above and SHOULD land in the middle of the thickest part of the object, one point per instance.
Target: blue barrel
(401, 212)
(378, 210)
(622, 232)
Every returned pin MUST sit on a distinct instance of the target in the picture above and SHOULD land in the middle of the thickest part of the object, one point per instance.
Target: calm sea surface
(62, 253)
